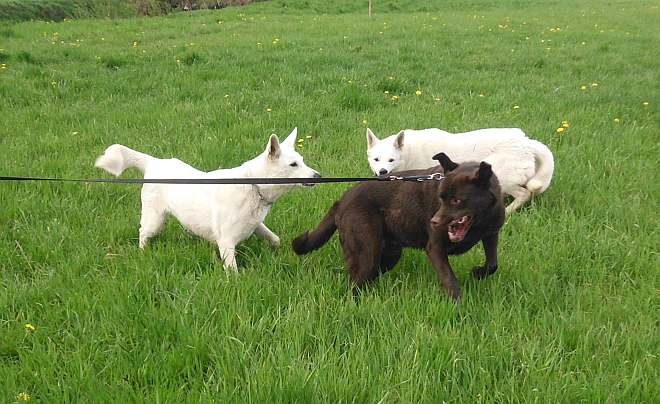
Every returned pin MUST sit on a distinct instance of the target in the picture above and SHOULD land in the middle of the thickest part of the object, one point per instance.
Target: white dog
(224, 214)
(523, 166)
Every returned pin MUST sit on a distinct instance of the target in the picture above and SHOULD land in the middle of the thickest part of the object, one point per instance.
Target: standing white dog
(224, 214)
(523, 166)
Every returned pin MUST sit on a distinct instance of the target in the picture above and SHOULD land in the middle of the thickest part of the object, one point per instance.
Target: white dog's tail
(545, 167)
(117, 158)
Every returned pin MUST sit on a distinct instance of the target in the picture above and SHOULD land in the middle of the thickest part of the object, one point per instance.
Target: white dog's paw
(275, 242)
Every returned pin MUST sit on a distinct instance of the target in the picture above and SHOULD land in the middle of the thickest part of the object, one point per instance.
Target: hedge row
(56, 10)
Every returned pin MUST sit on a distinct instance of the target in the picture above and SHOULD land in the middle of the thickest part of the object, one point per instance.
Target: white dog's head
(280, 159)
(384, 155)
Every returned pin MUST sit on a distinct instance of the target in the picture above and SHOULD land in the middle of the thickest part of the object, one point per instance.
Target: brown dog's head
(467, 194)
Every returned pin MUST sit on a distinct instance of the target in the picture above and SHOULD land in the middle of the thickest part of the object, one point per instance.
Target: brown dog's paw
(454, 294)
(483, 271)
(299, 244)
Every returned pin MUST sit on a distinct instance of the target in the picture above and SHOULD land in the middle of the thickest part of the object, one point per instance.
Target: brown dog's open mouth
(458, 228)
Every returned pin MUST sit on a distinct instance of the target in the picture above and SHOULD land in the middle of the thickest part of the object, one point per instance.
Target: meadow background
(571, 316)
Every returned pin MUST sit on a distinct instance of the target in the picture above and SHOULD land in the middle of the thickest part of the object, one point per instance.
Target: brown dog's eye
(294, 164)
(376, 159)
(454, 201)
(390, 160)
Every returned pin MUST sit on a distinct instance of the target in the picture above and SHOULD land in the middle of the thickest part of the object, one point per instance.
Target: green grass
(571, 316)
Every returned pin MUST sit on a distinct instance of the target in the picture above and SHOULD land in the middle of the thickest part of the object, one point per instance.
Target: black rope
(234, 181)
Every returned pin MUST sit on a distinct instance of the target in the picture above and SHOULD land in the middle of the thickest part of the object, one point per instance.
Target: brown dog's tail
(311, 240)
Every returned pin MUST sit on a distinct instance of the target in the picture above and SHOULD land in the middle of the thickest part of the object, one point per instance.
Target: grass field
(571, 316)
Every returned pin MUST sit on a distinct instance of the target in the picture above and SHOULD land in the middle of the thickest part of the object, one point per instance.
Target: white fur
(223, 214)
(523, 166)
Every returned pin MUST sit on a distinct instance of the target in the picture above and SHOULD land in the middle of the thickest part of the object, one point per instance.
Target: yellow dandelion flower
(583, 87)
(645, 103)
(565, 125)
(386, 92)
(560, 130)
(516, 107)
(391, 77)
(418, 93)
(135, 44)
(29, 327)
(364, 121)
(226, 95)
(395, 97)
(617, 120)
(301, 140)
(438, 99)
(482, 95)
(584, 43)
(268, 109)
(308, 137)
(23, 396)
(258, 43)
(594, 84)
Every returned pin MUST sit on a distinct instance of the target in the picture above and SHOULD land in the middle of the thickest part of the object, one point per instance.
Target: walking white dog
(224, 214)
(523, 166)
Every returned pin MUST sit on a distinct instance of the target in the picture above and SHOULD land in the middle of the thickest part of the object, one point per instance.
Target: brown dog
(377, 219)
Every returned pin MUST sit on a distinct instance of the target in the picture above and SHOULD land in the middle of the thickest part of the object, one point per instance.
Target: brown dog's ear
(483, 174)
(445, 162)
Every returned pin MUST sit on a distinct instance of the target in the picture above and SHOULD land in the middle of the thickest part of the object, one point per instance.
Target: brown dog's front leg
(489, 268)
(440, 261)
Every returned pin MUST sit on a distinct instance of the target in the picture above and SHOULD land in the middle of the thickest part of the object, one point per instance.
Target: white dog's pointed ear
(398, 142)
(273, 147)
(290, 140)
(371, 139)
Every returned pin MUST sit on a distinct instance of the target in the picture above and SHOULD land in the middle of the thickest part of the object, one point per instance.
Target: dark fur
(377, 219)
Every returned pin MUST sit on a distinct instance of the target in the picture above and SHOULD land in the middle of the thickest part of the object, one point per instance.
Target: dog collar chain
(261, 197)
(418, 178)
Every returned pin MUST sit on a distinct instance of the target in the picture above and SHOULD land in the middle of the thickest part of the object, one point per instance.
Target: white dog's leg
(267, 234)
(520, 196)
(228, 253)
(153, 216)
(151, 223)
